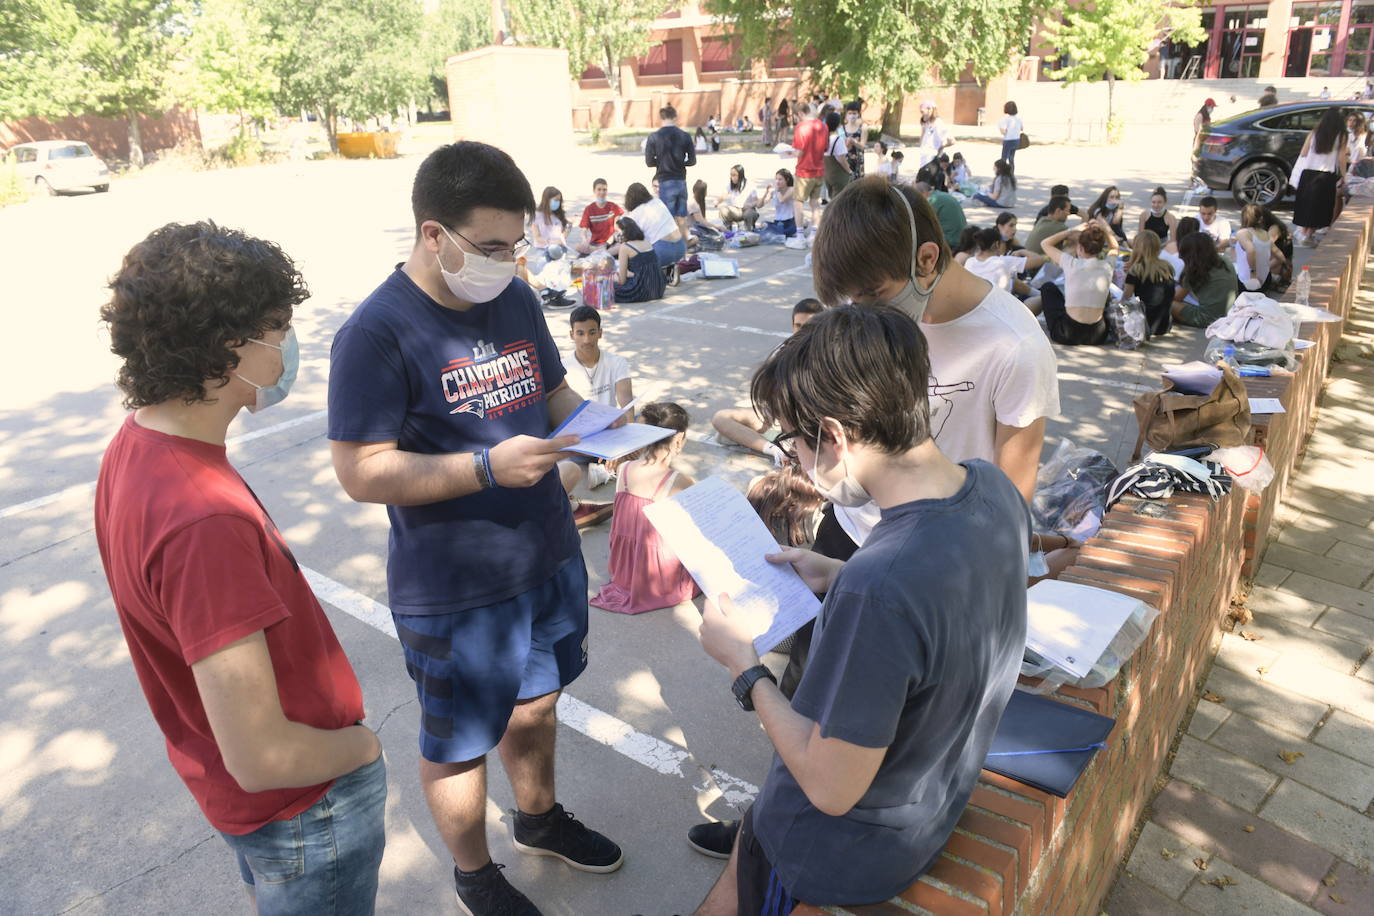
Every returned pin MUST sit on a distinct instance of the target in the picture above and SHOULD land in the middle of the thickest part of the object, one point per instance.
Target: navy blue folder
(1045, 743)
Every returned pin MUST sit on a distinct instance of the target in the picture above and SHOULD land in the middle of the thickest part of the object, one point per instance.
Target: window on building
(720, 54)
(1242, 40)
(593, 73)
(663, 59)
(1359, 43)
(1175, 56)
(1312, 38)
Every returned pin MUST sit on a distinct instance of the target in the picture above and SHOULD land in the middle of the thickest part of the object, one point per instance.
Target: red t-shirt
(810, 139)
(194, 563)
(600, 219)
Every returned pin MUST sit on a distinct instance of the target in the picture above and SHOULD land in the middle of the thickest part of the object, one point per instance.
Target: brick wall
(1017, 850)
(107, 136)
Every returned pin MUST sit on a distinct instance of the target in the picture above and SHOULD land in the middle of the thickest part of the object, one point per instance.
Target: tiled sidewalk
(1268, 806)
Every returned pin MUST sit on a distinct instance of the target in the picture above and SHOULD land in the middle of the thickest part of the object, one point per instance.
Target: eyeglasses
(498, 252)
(781, 440)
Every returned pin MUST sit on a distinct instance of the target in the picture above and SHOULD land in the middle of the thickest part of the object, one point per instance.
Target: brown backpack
(1172, 420)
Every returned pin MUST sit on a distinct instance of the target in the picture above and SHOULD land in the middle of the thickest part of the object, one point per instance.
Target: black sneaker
(715, 839)
(674, 277)
(486, 892)
(563, 836)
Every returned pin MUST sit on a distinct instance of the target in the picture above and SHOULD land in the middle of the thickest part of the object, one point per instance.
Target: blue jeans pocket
(275, 852)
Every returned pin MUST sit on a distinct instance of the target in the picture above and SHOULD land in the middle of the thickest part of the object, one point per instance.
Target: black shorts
(759, 890)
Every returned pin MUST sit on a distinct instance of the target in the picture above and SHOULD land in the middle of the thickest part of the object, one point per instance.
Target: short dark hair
(630, 229)
(898, 155)
(597, 182)
(184, 299)
(458, 178)
(864, 366)
(1058, 202)
(865, 239)
(1208, 201)
(1006, 216)
(636, 195)
(1009, 108)
(668, 113)
(786, 177)
(987, 239)
(808, 306)
(584, 313)
(1186, 227)
(832, 120)
(1059, 190)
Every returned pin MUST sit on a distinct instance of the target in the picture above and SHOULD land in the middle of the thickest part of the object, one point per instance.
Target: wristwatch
(744, 684)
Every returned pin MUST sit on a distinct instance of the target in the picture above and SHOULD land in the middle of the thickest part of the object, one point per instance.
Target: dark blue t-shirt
(437, 381)
(916, 650)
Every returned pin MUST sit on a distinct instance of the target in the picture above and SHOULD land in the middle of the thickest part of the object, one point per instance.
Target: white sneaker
(598, 476)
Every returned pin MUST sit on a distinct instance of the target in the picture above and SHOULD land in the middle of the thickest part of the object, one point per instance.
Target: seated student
(1281, 251)
(739, 203)
(657, 223)
(789, 504)
(548, 229)
(1169, 253)
(644, 573)
(598, 219)
(696, 203)
(1006, 227)
(1159, 219)
(884, 163)
(1150, 278)
(994, 264)
(1208, 278)
(638, 277)
(960, 175)
(967, 246)
(1218, 227)
(1001, 194)
(896, 176)
(1073, 316)
(783, 192)
(1053, 222)
(910, 667)
(1108, 211)
(947, 209)
(1058, 190)
(1253, 250)
(597, 375)
(741, 425)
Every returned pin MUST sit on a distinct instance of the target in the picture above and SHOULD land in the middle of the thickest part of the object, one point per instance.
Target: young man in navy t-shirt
(443, 385)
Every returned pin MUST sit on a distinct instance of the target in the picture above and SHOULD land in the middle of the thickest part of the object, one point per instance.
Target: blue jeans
(325, 859)
(1009, 150)
(785, 227)
(987, 201)
(670, 252)
(673, 193)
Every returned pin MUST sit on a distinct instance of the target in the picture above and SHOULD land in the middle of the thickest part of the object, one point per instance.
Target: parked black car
(1252, 154)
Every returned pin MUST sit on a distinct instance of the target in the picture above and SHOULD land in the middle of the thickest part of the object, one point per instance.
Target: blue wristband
(486, 466)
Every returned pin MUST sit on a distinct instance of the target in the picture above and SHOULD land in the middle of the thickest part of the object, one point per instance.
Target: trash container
(381, 144)
(981, 112)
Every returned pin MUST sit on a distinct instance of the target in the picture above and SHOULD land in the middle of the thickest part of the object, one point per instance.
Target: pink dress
(645, 574)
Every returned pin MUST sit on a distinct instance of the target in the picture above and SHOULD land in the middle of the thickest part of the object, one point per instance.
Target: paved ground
(93, 819)
(1267, 808)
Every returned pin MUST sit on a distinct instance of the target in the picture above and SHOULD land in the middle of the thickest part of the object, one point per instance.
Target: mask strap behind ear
(910, 215)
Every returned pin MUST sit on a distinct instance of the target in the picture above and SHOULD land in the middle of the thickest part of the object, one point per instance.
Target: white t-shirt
(933, 137)
(598, 382)
(1087, 282)
(1173, 261)
(999, 270)
(1012, 125)
(1001, 356)
(744, 197)
(1219, 228)
(550, 230)
(655, 219)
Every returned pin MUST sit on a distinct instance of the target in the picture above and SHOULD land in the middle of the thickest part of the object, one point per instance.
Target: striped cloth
(1153, 480)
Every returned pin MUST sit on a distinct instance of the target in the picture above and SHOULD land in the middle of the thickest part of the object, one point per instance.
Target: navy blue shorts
(470, 667)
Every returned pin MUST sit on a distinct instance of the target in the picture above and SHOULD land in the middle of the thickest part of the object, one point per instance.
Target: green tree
(893, 46)
(599, 33)
(233, 60)
(1110, 39)
(347, 58)
(452, 27)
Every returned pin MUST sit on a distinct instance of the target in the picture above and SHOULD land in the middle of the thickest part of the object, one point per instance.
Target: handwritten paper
(1071, 625)
(589, 418)
(1266, 405)
(722, 542)
(610, 444)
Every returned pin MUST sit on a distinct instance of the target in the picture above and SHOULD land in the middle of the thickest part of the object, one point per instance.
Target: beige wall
(491, 100)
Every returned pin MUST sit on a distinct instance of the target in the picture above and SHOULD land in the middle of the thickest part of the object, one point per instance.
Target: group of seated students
(1188, 269)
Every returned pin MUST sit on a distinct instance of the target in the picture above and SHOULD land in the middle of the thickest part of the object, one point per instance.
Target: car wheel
(40, 184)
(102, 188)
(1262, 183)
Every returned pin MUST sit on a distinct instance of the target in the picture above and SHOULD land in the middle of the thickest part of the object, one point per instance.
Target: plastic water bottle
(1302, 287)
(1228, 356)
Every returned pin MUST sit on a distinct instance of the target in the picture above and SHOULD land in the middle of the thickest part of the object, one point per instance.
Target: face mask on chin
(912, 299)
(480, 279)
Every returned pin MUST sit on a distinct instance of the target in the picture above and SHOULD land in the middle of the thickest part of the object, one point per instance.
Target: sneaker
(715, 839)
(598, 475)
(486, 892)
(589, 515)
(563, 836)
(674, 278)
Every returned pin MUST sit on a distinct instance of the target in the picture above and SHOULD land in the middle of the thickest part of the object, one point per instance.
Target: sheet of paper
(722, 542)
(1300, 344)
(590, 417)
(616, 443)
(1071, 625)
(1196, 377)
(1266, 405)
(1310, 313)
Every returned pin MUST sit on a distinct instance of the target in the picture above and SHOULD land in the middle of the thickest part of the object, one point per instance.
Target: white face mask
(1156, 211)
(848, 492)
(480, 279)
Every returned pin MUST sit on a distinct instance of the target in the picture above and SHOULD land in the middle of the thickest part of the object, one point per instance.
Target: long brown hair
(1200, 258)
(787, 502)
(549, 194)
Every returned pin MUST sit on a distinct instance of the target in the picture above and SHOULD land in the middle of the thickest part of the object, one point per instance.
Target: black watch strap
(744, 685)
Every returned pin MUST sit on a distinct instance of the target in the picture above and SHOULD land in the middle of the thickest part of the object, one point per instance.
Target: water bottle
(1302, 287)
(1228, 356)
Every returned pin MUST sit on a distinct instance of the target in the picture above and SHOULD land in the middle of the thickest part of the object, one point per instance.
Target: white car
(55, 166)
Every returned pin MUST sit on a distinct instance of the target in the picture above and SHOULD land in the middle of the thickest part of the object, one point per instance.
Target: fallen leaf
(1224, 881)
(1263, 669)
(1166, 853)
(1213, 698)
(1329, 880)
(1250, 637)
(1290, 756)
(1249, 828)
(1336, 897)
(1201, 863)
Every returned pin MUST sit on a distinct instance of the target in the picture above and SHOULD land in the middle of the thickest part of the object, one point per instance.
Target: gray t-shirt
(916, 650)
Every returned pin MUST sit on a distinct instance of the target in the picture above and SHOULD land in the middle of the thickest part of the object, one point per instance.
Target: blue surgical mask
(555, 204)
(290, 363)
(1111, 205)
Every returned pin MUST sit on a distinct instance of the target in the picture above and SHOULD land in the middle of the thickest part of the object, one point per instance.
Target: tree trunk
(135, 142)
(892, 115)
(612, 69)
(330, 122)
(1111, 86)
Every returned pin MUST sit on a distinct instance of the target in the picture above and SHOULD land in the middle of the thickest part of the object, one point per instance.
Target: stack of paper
(721, 541)
(590, 421)
(1071, 625)
(1196, 377)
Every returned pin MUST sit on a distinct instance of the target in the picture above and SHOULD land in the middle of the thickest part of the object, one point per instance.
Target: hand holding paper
(726, 637)
(604, 434)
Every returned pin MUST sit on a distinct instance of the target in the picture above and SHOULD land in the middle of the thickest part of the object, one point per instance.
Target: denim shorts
(673, 193)
(470, 667)
(325, 859)
(670, 252)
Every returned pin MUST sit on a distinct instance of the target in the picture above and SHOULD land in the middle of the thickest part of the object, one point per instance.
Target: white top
(1174, 261)
(598, 382)
(1000, 353)
(933, 137)
(744, 197)
(655, 219)
(783, 209)
(1242, 260)
(999, 270)
(1087, 283)
(1355, 146)
(1318, 162)
(1219, 228)
(839, 146)
(1012, 125)
(550, 230)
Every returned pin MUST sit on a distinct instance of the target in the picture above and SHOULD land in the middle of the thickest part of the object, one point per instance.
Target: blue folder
(1045, 743)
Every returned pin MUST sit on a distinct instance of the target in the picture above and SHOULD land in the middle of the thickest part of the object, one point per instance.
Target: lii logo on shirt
(492, 383)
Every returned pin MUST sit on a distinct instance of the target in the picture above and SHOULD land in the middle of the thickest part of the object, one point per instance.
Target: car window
(28, 154)
(1294, 120)
(70, 151)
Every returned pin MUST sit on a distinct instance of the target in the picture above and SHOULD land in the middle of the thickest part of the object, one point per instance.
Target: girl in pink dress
(645, 574)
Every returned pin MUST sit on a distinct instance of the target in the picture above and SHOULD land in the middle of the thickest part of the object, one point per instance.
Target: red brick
(1018, 808)
(979, 884)
(925, 894)
(1014, 836)
(997, 863)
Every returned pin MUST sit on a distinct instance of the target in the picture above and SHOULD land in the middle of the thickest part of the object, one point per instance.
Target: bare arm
(1051, 246)
(1016, 450)
(261, 748)
(622, 273)
(624, 392)
(562, 402)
